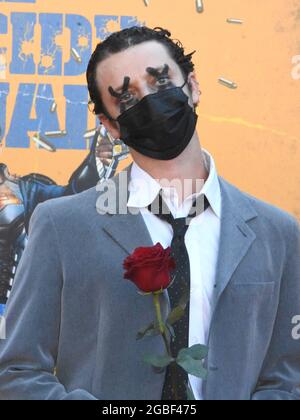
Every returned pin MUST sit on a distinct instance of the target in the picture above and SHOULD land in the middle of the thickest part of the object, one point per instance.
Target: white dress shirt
(202, 243)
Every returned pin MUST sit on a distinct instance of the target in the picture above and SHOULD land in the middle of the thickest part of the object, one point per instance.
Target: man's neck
(187, 173)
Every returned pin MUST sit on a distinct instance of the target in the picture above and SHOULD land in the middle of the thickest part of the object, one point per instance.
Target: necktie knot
(179, 225)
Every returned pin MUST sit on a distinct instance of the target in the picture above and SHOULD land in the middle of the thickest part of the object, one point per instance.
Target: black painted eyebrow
(124, 88)
(157, 72)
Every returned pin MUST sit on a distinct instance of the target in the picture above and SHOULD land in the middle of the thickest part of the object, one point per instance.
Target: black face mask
(160, 126)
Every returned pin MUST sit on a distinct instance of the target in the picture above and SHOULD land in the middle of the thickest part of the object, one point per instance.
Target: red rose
(150, 268)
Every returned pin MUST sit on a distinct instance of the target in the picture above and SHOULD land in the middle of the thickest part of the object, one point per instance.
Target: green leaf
(158, 361)
(184, 299)
(175, 315)
(148, 331)
(178, 312)
(190, 359)
(197, 352)
(192, 366)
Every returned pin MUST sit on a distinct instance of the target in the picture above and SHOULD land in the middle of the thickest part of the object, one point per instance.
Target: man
(71, 310)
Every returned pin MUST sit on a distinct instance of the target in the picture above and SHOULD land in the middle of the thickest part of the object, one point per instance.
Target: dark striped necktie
(176, 381)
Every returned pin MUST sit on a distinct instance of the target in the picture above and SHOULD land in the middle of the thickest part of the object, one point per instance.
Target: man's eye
(164, 82)
(126, 97)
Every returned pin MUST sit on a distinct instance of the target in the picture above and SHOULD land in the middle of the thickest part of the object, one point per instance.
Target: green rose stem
(161, 324)
(162, 330)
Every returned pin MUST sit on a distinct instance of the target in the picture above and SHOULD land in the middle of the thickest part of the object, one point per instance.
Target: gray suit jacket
(71, 310)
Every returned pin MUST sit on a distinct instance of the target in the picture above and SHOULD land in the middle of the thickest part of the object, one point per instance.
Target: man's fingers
(105, 155)
(105, 162)
(104, 148)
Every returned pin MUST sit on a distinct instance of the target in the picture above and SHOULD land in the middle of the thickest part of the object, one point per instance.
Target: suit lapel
(236, 236)
(128, 230)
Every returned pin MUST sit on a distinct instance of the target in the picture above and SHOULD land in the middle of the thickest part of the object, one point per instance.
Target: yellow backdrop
(252, 131)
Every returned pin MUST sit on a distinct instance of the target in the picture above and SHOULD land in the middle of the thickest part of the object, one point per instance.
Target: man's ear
(194, 88)
(111, 126)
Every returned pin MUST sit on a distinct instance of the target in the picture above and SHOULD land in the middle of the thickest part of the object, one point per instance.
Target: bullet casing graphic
(90, 133)
(60, 133)
(53, 107)
(43, 143)
(199, 6)
(228, 83)
(76, 55)
(235, 21)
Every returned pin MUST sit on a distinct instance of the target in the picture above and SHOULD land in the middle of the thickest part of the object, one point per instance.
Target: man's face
(134, 64)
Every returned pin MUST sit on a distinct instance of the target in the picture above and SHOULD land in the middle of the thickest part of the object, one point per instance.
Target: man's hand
(104, 150)
(109, 152)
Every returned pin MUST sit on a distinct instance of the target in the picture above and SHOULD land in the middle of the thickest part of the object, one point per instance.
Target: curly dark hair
(120, 41)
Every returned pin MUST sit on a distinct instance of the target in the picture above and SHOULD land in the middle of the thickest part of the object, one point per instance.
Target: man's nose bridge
(144, 89)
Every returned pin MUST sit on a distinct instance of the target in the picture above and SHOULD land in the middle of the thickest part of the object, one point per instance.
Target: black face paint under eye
(120, 96)
(126, 104)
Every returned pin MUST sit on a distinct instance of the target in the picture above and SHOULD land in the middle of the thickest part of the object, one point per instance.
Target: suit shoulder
(272, 213)
(69, 206)
(268, 213)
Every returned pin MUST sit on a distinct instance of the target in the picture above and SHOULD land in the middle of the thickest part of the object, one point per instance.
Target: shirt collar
(143, 189)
